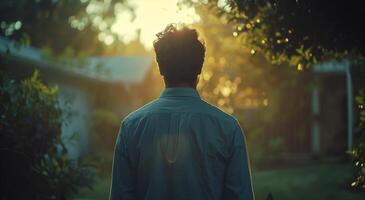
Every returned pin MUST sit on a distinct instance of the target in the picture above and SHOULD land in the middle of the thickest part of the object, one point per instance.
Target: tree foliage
(298, 32)
(61, 25)
(35, 163)
(301, 33)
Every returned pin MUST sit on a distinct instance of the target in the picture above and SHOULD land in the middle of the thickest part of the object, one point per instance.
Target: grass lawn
(322, 182)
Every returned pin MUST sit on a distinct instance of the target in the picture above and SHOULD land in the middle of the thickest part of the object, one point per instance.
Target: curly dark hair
(179, 54)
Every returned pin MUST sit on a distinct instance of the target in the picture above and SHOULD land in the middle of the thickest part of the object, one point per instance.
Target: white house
(333, 121)
(78, 82)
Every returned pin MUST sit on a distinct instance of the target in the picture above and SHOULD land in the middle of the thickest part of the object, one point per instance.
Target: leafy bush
(35, 163)
(358, 160)
(358, 152)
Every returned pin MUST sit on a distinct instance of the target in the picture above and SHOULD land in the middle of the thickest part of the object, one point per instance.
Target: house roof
(120, 69)
(126, 69)
(332, 66)
(354, 67)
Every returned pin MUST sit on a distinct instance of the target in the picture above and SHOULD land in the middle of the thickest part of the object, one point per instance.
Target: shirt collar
(179, 92)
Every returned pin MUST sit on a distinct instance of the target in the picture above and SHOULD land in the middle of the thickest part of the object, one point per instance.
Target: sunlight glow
(150, 18)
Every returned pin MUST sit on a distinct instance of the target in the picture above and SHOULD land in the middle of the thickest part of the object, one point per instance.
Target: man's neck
(180, 85)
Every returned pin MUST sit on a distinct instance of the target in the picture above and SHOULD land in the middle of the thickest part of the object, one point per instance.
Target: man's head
(180, 55)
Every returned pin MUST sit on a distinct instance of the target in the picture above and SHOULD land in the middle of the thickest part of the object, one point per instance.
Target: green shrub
(358, 160)
(34, 160)
(358, 152)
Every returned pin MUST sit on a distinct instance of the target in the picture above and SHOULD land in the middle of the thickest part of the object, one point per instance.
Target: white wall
(75, 130)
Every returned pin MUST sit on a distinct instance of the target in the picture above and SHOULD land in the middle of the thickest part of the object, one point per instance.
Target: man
(178, 146)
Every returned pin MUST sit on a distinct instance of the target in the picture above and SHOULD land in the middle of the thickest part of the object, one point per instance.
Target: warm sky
(151, 17)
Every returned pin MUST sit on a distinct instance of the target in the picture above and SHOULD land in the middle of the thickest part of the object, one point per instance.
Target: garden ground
(322, 182)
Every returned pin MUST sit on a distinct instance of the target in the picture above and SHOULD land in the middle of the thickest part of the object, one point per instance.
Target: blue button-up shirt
(178, 147)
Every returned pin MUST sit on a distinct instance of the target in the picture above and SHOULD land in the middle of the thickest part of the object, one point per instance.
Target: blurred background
(292, 73)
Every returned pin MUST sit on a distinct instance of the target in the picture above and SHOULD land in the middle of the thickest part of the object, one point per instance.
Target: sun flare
(150, 18)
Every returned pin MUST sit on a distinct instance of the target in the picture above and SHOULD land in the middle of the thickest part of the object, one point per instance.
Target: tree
(62, 25)
(300, 33)
(297, 32)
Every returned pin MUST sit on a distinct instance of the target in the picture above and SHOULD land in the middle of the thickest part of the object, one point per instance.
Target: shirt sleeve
(123, 179)
(238, 183)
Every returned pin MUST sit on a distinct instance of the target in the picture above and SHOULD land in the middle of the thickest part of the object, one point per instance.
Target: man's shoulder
(201, 108)
(216, 112)
(140, 112)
